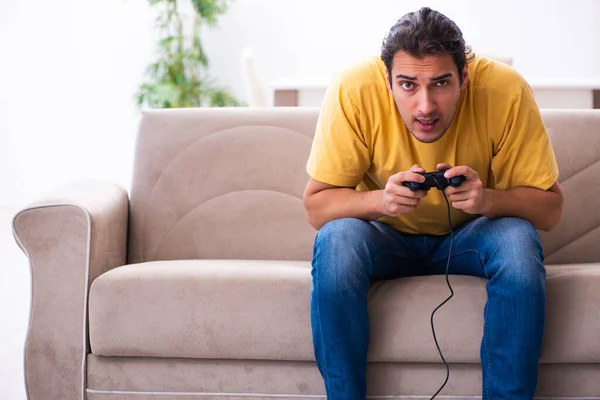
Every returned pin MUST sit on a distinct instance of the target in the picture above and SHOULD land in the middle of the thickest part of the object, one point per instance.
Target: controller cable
(449, 286)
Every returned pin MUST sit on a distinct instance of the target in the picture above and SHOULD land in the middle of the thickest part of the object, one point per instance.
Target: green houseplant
(179, 75)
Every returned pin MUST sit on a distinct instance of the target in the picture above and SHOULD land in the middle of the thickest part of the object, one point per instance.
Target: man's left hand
(470, 195)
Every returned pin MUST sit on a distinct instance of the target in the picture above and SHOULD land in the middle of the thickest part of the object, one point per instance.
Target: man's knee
(509, 235)
(341, 252)
(344, 233)
(517, 252)
(518, 236)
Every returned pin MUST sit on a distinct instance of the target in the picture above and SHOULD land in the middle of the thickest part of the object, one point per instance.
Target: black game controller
(433, 179)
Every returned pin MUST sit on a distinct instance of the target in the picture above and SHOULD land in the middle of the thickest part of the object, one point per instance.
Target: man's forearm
(541, 208)
(336, 203)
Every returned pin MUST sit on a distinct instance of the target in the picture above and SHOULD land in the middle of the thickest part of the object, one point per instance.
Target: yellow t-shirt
(361, 140)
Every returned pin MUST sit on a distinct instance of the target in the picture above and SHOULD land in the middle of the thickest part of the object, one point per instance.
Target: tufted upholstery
(207, 179)
(576, 141)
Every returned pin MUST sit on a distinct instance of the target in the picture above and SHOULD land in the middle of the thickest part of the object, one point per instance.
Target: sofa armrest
(70, 238)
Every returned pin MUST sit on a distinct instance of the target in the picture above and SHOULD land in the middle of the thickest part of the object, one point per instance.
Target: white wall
(69, 69)
(313, 38)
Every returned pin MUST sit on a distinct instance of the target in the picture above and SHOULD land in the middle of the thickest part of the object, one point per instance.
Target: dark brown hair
(422, 33)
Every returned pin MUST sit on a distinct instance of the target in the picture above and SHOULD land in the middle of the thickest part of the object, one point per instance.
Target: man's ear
(465, 77)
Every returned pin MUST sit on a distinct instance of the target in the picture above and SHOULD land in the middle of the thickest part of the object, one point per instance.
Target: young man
(429, 104)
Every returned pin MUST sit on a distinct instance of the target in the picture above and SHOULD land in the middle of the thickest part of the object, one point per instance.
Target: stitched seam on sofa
(176, 156)
(224, 394)
(270, 395)
(585, 233)
(572, 240)
(583, 168)
(161, 240)
(86, 288)
(312, 396)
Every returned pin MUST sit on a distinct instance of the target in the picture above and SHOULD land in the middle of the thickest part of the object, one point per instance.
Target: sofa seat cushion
(235, 309)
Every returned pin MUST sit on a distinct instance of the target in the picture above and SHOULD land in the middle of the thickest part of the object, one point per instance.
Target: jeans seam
(395, 254)
(379, 254)
(323, 351)
(487, 354)
(481, 257)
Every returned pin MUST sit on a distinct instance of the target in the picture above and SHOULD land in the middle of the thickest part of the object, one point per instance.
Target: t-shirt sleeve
(339, 154)
(524, 156)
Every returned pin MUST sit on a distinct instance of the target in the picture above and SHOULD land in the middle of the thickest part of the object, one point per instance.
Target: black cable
(449, 297)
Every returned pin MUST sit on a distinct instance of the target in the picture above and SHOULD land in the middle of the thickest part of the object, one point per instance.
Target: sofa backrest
(223, 184)
(228, 183)
(575, 136)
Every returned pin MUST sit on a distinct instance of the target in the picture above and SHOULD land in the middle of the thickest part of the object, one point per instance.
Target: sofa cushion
(233, 309)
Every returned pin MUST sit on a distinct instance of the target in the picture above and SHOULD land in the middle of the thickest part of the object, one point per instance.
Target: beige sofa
(195, 283)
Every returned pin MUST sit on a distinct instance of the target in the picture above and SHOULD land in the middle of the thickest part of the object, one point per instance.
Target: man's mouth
(427, 124)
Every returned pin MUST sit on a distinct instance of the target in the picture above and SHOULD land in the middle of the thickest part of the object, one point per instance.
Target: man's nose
(426, 103)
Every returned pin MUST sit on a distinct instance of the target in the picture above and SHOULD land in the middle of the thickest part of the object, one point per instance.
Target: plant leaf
(210, 9)
(178, 76)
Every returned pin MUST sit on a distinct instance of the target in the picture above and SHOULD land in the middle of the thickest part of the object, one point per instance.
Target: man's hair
(422, 33)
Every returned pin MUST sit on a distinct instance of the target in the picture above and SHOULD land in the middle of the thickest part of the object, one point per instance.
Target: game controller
(433, 179)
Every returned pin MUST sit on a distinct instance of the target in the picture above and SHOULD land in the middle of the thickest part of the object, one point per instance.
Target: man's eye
(406, 85)
(441, 83)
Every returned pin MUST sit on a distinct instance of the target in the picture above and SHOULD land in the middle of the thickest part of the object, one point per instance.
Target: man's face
(426, 92)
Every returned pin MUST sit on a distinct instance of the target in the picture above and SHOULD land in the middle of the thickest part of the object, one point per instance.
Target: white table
(550, 93)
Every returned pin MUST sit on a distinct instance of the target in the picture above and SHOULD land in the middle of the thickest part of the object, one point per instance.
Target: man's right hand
(397, 199)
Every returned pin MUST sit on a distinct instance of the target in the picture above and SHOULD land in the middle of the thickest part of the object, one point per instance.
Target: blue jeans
(349, 253)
